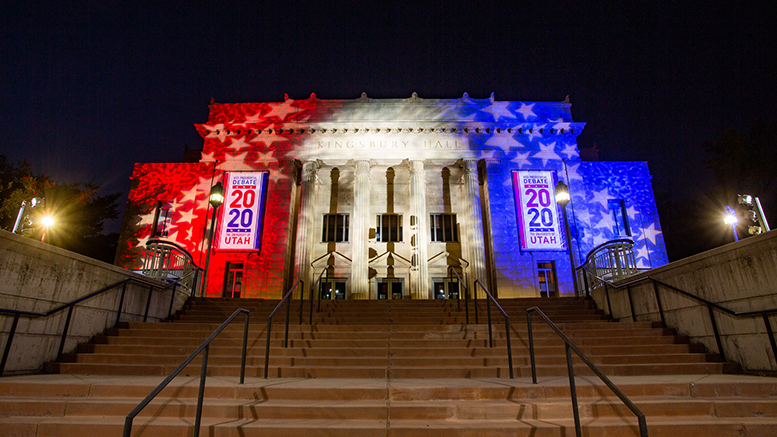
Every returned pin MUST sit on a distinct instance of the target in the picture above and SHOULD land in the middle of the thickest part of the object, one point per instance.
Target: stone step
(418, 343)
(696, 406)
(385, 334)
(426, 409)
(295, 327)
(343, 369)
(279, 350)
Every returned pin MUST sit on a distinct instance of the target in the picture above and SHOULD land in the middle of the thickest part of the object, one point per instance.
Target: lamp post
(730, 218)
(216, 198)
(562, 198)
(755, 213)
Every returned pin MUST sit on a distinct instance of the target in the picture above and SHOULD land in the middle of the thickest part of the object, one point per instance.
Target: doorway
(332, 288)
(446, 288)
(390, 288)
(233, 283)
(546, 277)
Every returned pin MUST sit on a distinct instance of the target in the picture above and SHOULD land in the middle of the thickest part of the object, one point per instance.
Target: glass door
(233, 282)
(546, 277)
(390, 288)
(446, 288)
(332, 288)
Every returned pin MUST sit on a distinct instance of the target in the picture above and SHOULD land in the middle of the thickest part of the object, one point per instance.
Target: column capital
(469, 165)
(416, 166)
(309, 169)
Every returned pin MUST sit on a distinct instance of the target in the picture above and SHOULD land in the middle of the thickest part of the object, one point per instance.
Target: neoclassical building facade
(388, 197)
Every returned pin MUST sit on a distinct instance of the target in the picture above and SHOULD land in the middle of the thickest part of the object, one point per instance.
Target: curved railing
(170, 262)
(204, 348)
(609, 261)
(569, 346)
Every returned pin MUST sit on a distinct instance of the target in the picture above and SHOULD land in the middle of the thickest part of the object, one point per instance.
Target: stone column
(360, 231)
(305, 231)
(473, 235)
(419, 273)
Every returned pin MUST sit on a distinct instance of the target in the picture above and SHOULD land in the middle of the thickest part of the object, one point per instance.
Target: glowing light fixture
(216, 197)
(730, 219)
(48, 221)
(562, 193)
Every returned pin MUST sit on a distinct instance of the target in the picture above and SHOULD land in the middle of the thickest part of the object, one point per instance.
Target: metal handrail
(205, 346)
(613, 257)
(643, 432)
(169, 260)
(507, 324)
(710, 307)
(313, 290)
(466, 296)
(269, 322)
(71, 305)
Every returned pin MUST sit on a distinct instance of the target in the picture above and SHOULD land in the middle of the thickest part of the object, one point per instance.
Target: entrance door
(332, 288)
(233, 283)
(546, 277)
(390, 288)
(446, 288)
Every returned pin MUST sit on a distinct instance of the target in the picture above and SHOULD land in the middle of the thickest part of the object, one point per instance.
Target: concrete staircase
(390, 368)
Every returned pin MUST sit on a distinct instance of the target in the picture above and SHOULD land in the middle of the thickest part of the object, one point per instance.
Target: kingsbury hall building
(390, 199)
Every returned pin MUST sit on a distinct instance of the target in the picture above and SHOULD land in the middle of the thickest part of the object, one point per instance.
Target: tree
(78, 210)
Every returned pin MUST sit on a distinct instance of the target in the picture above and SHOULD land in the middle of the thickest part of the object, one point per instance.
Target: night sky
(89, 88)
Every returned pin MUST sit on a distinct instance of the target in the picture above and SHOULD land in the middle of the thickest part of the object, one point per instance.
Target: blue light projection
(543, 136)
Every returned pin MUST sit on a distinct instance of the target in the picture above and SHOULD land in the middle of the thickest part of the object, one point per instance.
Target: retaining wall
(740, 276)
(38, 277)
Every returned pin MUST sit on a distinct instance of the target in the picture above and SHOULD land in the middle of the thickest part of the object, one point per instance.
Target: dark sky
(89, 88)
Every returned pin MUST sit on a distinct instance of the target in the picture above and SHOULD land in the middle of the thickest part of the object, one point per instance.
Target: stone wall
(38, 277)
(739, 276)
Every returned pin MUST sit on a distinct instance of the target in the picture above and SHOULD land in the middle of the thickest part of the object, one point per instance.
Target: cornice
(341, 129)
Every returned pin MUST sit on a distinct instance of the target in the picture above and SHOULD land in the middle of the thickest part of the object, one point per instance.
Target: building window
(389, 228)
(620, 219)
(162, 218)
(444, 229)
(335, 228)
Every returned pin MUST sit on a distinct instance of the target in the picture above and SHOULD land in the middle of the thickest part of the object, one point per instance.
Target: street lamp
(562, 198)
(47, 222)
(216, 198)
(754, 212)
(730, 218)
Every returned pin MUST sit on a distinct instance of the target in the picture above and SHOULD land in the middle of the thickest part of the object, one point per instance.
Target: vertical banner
(539, 226)
(240, 227)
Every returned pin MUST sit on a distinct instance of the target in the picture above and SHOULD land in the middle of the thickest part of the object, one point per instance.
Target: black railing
(287, 300)
(490, 298)
(70, 306)
(170, 262)
(466, 296)
(204, 348)
(313, 289)
(711, 308)
(568, 345)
